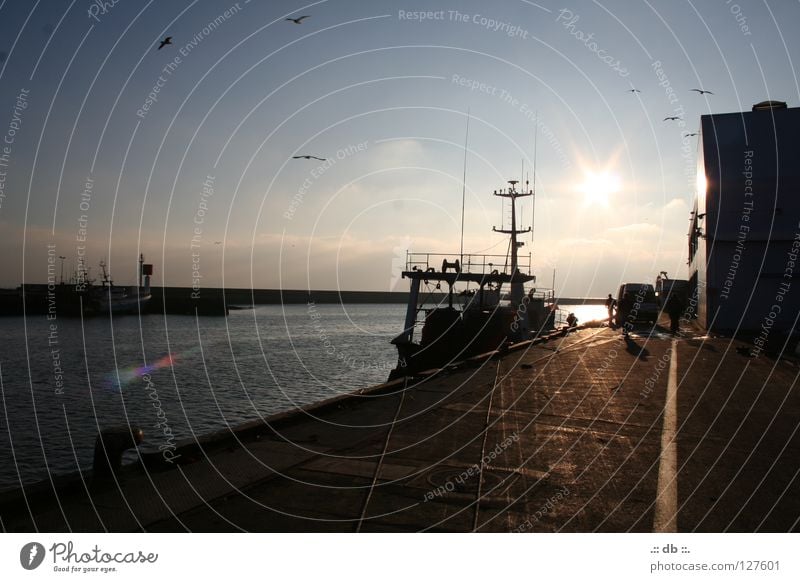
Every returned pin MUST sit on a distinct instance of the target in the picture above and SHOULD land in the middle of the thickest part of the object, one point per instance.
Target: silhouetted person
(623, 311)
(674, 307)
(611, 303)
(572, 321)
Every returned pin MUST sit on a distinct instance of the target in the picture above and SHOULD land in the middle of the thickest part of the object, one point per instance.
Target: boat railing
(547, 296)
(467, 263)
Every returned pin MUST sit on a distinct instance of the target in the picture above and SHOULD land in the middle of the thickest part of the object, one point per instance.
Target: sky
(113, 147)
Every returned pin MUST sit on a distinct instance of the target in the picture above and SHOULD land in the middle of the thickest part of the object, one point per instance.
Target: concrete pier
(587, 432)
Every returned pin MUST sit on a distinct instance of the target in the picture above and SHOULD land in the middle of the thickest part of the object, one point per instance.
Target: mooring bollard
(109, 447)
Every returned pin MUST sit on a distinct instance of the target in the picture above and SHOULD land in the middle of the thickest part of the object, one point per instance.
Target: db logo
(31, 555)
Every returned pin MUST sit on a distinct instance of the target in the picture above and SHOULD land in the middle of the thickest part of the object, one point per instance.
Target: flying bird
(217, 242)
(298, 20)
(633, 91)
(309, 158)
(165, 42)
(672, 118)
(701, 91)
(691, 134)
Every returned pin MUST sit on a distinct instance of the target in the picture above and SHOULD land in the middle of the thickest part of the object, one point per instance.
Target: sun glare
(598, 186)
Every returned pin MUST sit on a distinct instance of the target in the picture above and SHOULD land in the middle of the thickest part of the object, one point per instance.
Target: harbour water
(174, 376)
(179, 377)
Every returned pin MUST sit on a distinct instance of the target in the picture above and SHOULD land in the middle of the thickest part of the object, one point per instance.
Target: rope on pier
(483, 449)
(378, 467)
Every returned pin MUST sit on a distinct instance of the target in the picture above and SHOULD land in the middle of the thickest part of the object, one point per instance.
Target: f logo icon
(31, 555)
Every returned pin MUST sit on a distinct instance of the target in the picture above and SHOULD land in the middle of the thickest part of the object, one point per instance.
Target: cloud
(400, 152)
(637, 228)
(676, 204)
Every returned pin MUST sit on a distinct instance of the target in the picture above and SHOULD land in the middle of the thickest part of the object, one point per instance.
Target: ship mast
(517, 291)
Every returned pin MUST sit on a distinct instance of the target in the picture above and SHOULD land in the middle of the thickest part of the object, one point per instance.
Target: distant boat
(113, 299)
(81, 296)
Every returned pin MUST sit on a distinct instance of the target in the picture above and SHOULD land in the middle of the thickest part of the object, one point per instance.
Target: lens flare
(117, 380)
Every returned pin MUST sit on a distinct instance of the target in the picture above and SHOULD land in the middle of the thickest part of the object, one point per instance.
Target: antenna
(464, 190)
(533, 198)
(524, 189)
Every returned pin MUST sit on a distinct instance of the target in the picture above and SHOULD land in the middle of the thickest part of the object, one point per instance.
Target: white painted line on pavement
(666, 514)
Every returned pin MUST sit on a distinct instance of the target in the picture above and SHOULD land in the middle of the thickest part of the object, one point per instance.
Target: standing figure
(611, 303)
(674, 308)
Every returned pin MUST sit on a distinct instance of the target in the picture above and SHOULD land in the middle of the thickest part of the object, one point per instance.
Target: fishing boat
(108, 298)
(490, 301)
(81, 296)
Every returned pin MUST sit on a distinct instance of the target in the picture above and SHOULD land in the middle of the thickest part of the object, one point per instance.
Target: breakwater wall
(217, 301)
(234, 296)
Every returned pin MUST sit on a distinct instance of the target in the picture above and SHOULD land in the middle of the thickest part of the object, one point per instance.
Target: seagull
(691, 134)
(165, 42)
(633, 91)
(701, 91)
(309, 158)
(298, 20)
(217, 242)
(672, 118)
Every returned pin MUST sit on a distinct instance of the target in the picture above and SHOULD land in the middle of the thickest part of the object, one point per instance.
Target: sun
(597, 187)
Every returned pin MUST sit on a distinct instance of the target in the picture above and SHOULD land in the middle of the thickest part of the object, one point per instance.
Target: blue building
(744, 236)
